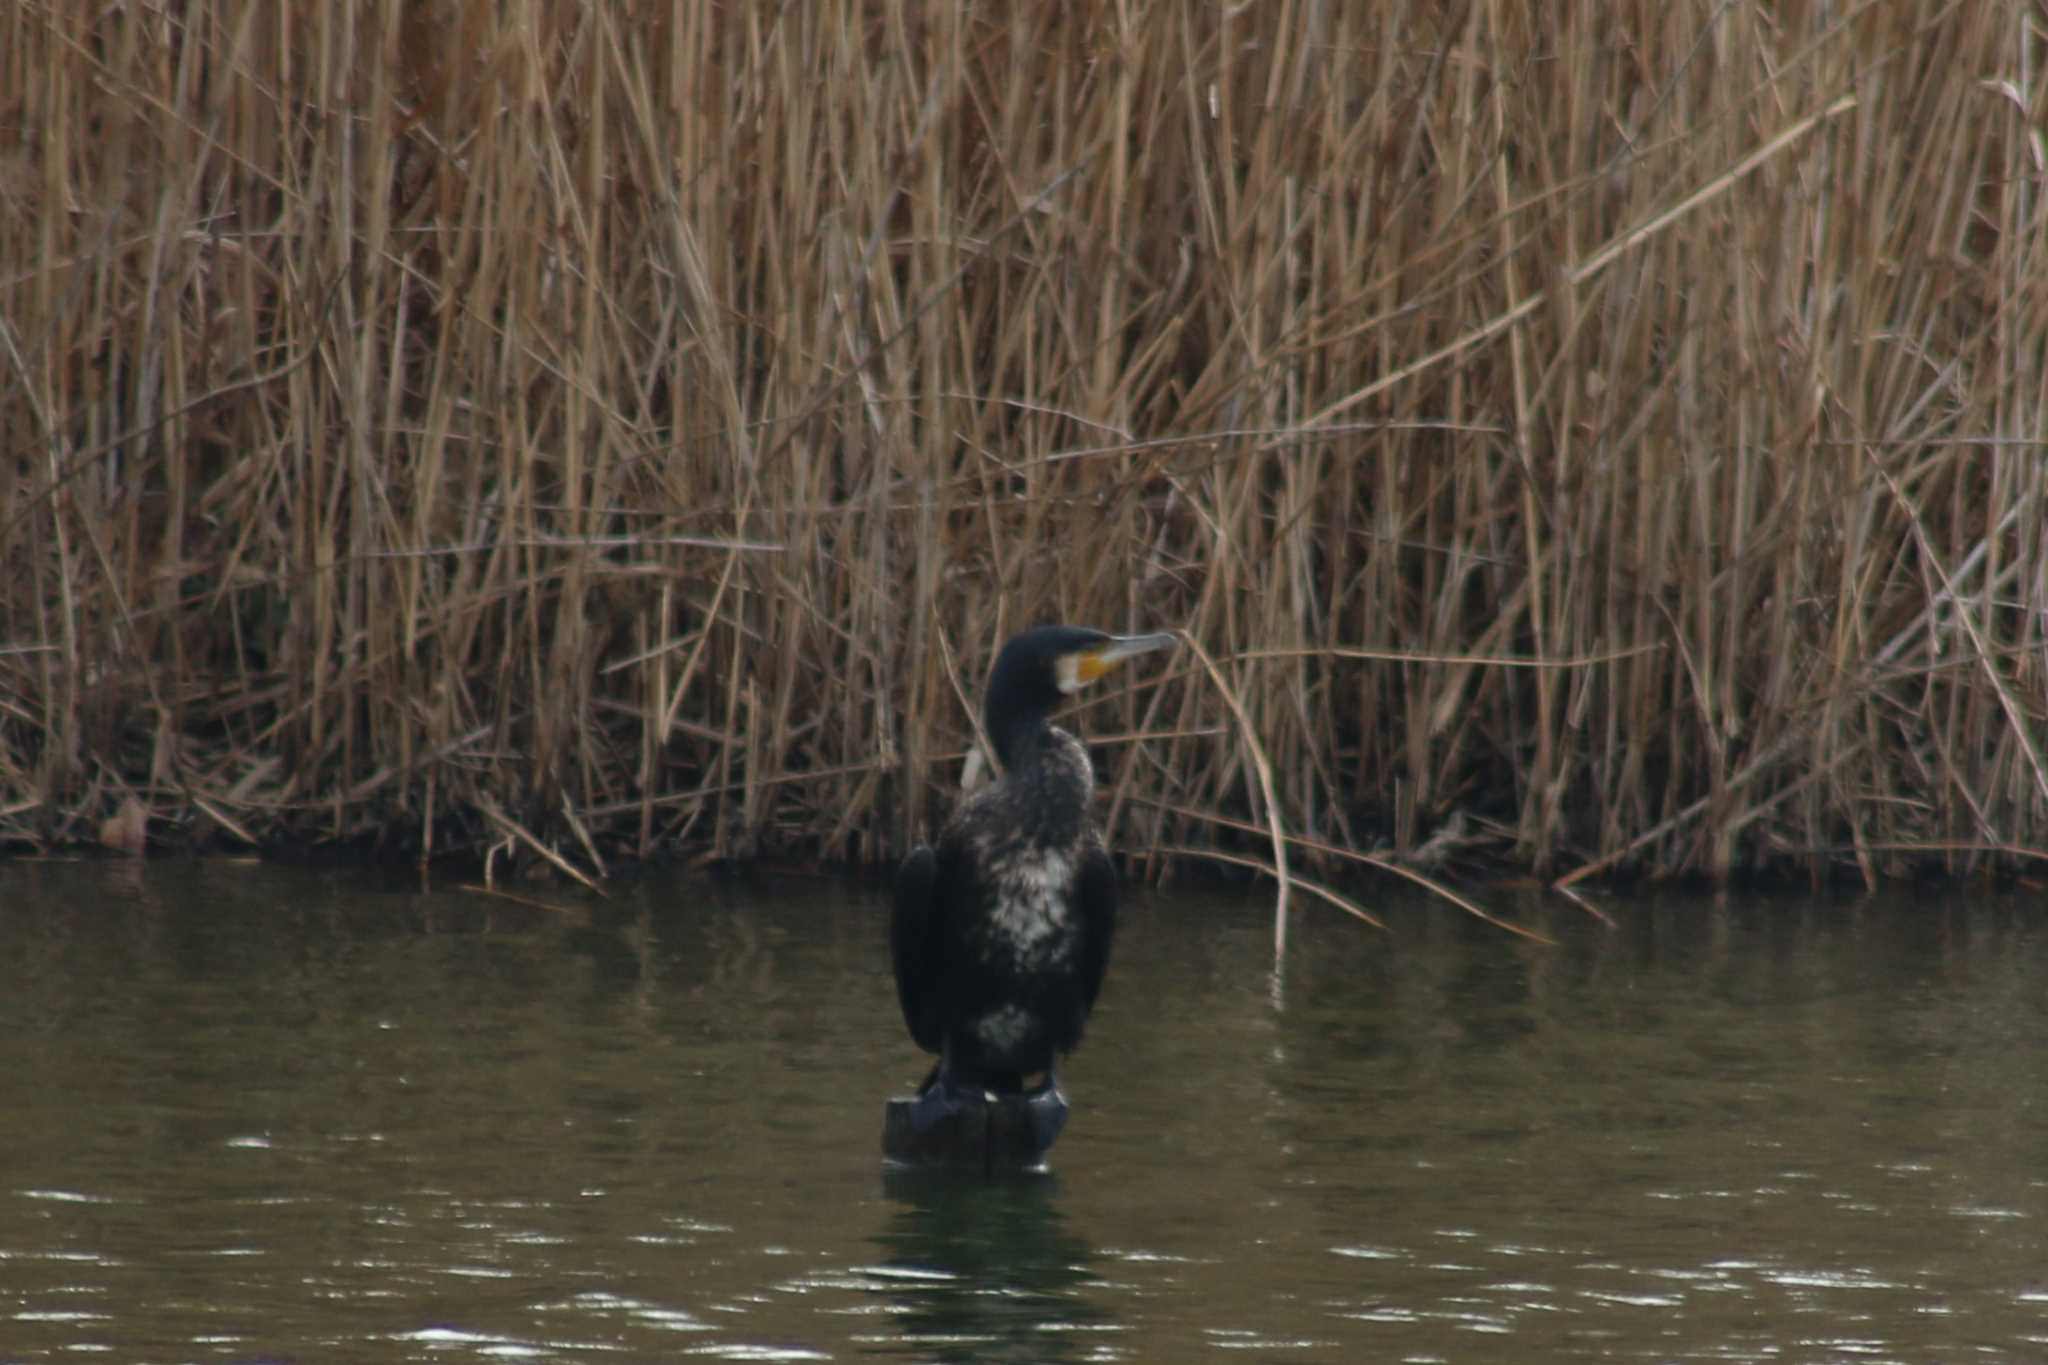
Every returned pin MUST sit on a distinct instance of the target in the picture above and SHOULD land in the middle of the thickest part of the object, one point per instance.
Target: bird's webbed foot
(938, 1100)
(1047, 1107)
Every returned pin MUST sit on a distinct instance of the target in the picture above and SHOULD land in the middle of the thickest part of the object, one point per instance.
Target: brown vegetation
(1604, 441)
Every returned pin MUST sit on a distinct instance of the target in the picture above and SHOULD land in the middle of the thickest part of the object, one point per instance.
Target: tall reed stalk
(1606, 438)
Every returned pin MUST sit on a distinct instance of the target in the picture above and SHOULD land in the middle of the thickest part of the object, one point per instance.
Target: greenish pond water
(252, 1114)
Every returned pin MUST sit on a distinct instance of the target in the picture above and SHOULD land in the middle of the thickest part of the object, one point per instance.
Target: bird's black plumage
(1001, 934)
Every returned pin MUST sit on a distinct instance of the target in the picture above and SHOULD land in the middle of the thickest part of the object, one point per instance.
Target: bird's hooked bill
(1090, 664)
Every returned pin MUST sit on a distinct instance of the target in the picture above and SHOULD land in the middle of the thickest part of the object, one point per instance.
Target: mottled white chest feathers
(1031, 916)
(1075, 754)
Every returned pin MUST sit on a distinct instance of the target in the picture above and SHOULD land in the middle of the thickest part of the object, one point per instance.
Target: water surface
(251, 1113)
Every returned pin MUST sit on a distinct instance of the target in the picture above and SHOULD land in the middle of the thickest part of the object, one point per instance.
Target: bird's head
(1038, 669)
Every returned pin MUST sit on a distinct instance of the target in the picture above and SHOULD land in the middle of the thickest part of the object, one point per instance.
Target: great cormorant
(1001, 934)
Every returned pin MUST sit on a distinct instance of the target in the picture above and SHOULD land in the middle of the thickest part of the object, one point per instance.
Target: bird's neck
(1048, 777)
(1022, 740)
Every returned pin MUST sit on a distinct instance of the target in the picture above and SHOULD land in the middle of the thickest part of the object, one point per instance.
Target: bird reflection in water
(985, 1271)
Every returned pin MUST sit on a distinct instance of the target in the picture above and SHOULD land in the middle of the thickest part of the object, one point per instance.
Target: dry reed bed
(1608, 445)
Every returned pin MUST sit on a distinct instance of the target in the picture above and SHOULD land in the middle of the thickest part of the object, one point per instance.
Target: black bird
(1001, 935)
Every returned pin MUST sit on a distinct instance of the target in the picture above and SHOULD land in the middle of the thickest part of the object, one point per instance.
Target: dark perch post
(990, 1133)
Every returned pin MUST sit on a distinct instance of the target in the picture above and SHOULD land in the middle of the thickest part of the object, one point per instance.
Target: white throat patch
(1067, 673)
